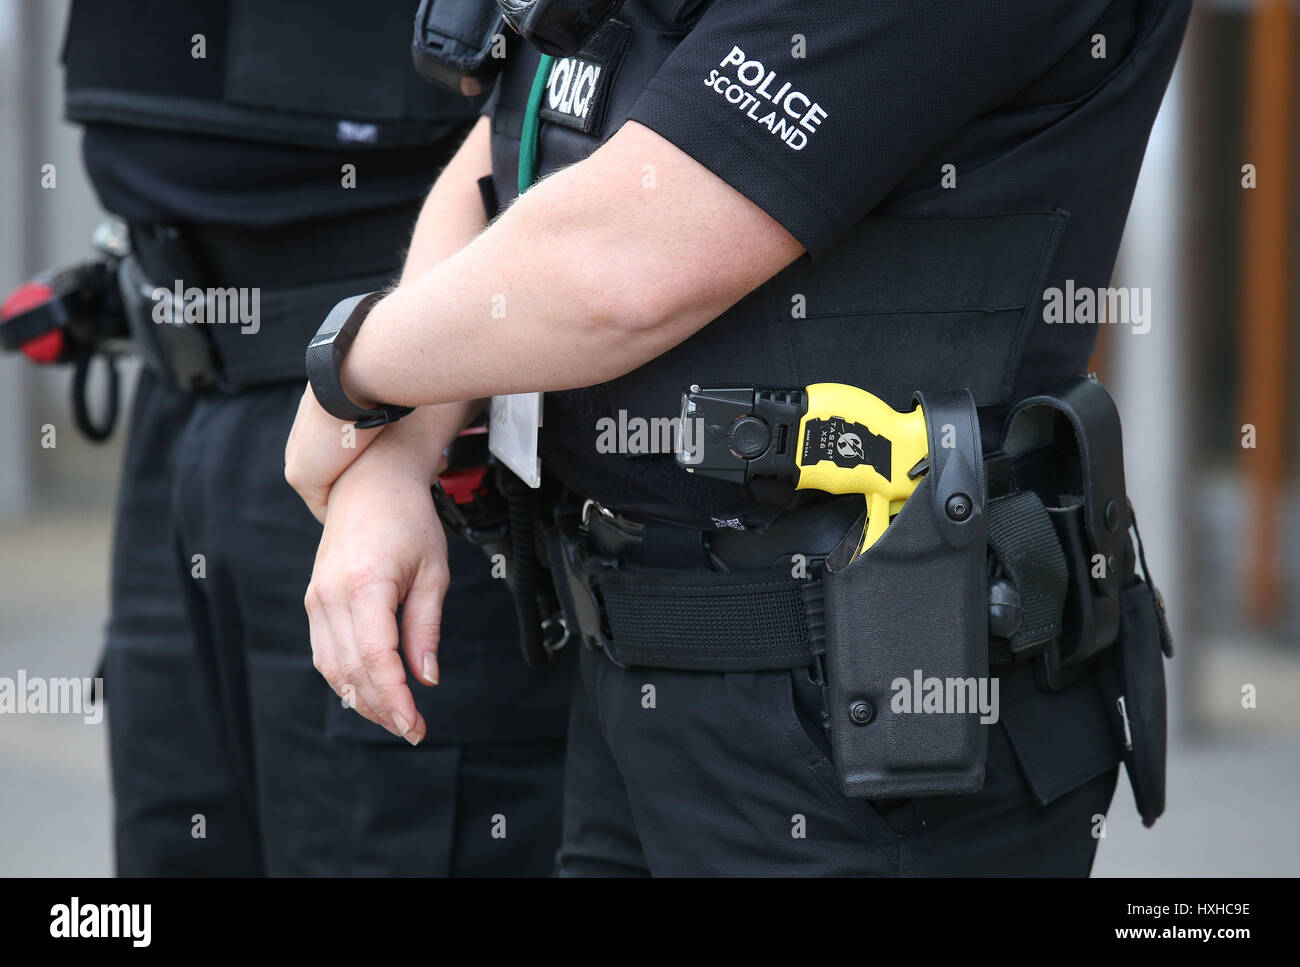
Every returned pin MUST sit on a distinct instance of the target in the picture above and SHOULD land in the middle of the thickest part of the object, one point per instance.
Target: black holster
(912, 608)
(927, 607)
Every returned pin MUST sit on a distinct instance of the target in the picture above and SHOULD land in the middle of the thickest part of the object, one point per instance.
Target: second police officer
(281, 149)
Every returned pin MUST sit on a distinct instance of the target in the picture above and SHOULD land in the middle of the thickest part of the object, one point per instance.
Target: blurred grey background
(1221, 522)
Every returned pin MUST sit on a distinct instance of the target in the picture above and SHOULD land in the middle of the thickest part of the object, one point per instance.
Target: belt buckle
(585, 516)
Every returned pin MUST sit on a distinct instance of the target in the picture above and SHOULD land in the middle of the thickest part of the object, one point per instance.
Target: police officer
(765, 194)
(279, 151)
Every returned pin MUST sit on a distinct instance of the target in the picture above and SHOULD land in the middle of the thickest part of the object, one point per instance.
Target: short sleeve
(815, 110)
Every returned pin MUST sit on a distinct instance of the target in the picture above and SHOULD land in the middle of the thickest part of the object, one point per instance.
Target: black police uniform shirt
(944, 163)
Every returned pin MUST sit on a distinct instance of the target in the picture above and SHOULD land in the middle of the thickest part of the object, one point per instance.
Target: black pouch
(455, 39)
(1133, 681)
(914, 608)
(1068, 450)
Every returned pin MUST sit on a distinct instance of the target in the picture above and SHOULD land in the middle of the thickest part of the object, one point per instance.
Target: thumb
(422, 626)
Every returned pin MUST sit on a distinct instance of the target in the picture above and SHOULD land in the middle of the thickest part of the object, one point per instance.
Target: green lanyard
(532, 125)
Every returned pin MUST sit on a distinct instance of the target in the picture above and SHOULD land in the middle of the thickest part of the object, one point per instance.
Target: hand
(319, 449)
(383, 544)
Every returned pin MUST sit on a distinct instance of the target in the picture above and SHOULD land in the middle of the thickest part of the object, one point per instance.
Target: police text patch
(577, 92)
(761, 96)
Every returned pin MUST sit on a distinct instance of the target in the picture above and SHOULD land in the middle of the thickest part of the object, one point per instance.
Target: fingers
(325, 658)
(374, 627)
(421, 627)
(371, 557)
(354, 646)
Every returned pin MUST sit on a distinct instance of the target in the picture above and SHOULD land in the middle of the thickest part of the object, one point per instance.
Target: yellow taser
(832, 437)
(852, 442)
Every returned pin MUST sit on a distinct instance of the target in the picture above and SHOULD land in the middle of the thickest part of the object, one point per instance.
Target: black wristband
(325, 355)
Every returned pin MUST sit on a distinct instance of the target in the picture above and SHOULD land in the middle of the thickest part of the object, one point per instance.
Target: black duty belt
(652, 594)
(299, 272)
(734, 622)
(665, 596)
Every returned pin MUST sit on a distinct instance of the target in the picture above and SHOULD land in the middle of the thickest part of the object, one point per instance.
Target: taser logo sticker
(850, 445)
(757, 92)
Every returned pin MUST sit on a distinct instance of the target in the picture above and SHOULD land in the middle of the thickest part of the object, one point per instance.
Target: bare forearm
(493, 319)
(451, 218)
(571, 286)
(453, 214)
(414, 446)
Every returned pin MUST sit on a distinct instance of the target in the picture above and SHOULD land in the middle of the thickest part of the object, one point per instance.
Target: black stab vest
(315, 73)
(905, 302)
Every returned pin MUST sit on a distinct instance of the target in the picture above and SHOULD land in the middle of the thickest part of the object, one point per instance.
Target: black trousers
(704, 773)
(229, 753)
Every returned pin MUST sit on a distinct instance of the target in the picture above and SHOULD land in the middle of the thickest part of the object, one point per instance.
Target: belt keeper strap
(1022, 536)
(702, 621)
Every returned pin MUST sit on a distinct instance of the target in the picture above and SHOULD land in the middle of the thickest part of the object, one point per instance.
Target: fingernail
(412, 738)
(403, 726)
(430, 668)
